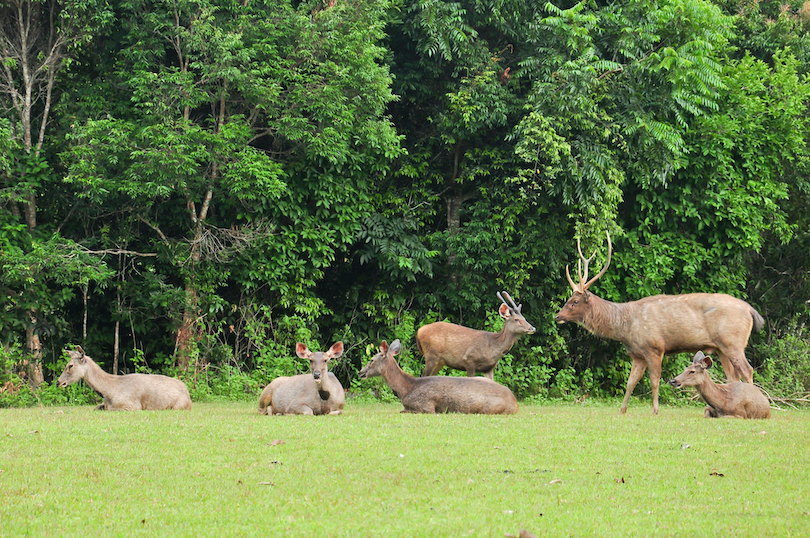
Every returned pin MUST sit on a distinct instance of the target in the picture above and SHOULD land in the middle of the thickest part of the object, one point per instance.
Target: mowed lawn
(556, 470)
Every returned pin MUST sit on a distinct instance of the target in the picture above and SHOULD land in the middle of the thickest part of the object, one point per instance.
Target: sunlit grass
(557, 470)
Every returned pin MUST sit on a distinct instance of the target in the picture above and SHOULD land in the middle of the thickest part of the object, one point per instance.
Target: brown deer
(131, 392)
(316, 393)
(439, 394)
(471, 350)
(663, 325)
(734, 400)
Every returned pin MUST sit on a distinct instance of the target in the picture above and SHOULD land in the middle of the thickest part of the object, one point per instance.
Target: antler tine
(607, 263)
(580, 264)
(570, 281)
(516, 307)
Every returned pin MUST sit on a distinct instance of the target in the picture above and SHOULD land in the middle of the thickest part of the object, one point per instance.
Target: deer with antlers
(664, 325)
(462, 348)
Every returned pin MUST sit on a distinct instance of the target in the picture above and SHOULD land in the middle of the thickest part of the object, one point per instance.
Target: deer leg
(636, 371)
(655, 381)
(491, 374)
(728, 366)
(432, 366)
(742, 366)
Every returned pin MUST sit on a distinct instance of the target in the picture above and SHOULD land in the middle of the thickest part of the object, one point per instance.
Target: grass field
(556, 470)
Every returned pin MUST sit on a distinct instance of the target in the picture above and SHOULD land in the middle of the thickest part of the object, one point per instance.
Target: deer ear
(335, 351)
(504, 311)
(706, 363)
(395, 347)
(699, 356)
(384, 347)
(80, 350)
(302, 351)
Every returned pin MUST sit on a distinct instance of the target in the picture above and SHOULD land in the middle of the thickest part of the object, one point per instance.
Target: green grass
(557, 470)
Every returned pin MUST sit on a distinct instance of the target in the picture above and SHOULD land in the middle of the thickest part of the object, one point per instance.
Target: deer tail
(758, 320)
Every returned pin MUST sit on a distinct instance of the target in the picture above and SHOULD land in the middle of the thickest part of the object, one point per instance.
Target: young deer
(316, 393)
(439, 394)
(734, 400)
(471, 350)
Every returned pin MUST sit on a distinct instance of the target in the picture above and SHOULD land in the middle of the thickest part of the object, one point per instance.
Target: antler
(583, 285)
(515, 307)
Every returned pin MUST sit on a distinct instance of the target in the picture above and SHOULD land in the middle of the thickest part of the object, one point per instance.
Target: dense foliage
(191, 187)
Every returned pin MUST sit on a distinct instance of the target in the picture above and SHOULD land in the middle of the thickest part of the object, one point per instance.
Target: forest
(191, 187)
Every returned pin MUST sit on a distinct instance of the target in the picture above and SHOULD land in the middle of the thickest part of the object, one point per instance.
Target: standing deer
(734, 400)
(316, 393)
(471, 350)
(663, 325)
(131, 392)
(439, 394)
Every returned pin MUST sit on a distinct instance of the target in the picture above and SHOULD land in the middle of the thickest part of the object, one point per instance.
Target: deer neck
(606, 319)
(400, 382)
(504, 340)
(326, 387)
(712, 393)
(97, 379)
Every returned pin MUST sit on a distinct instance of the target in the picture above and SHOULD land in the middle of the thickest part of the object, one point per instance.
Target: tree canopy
(197, 185)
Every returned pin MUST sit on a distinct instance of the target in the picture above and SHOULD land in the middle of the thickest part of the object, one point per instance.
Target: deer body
(439, 394)
(665, 324)
(470, 350)
(131, 392)
(734, 400)
(316, 393)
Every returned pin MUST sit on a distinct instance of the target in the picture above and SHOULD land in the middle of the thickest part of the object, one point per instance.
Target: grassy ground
(557, 470)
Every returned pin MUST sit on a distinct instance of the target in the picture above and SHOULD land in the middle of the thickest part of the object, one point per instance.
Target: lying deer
(664, 324)
(131, 392)
(316, 393)
(735, 400)
(439, 394)
(470, 350)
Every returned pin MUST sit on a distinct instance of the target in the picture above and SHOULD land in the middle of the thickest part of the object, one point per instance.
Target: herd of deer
(649, 329)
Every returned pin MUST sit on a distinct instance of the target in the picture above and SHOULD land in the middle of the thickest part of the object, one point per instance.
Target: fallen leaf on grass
(555, 481)
(34, 431)
(619, 480)
(276, 462)
(276, 442)
(266, 484)
(715, 473)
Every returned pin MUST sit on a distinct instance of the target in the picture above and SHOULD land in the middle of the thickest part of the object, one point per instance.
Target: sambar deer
(439, 394)
(316, 393)
(663, 325)
(733, 400)
(130, 392)
(471, 350)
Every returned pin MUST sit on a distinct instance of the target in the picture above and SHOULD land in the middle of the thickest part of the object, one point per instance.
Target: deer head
(512, 313)
(576, 307)
(319, 362)
(693, 375)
